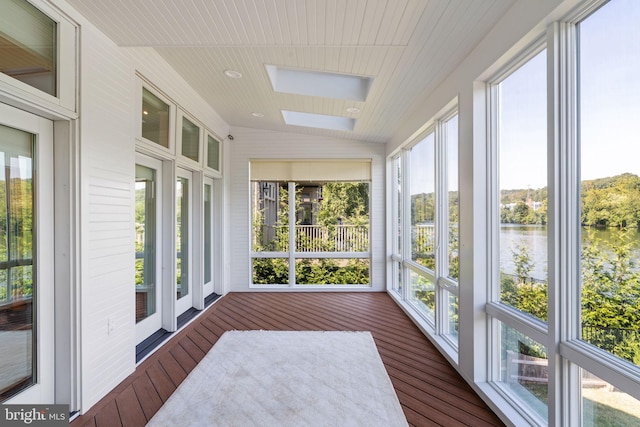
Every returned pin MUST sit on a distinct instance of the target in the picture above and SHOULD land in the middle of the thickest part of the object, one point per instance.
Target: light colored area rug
(274, 378)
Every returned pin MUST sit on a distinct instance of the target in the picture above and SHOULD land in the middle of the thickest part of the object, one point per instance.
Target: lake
(534, 238)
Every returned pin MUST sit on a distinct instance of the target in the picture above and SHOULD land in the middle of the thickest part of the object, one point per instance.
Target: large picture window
(563, 311)
(522, 147)
(310, 232)
(610, 179)
(425, 236)
(519, 231)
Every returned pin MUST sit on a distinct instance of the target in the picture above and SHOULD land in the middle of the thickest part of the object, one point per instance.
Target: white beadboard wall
(260, 144)
(106, 180)
(107, 109)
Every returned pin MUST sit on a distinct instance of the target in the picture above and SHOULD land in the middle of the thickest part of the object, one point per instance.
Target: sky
(609, 103)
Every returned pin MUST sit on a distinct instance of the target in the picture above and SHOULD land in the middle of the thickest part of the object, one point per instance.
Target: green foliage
(523, 214)
(611, 202)
(610, 295)
(610, 299)
(16, 238)
(423, 290)
(521, 291)
(328, 271)
(423, 208)
(342, 203)
(267, 271)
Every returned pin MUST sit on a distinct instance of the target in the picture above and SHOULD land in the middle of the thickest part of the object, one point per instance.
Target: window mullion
(563, 223)
(441, 224)
(406, 222)
(292, 233)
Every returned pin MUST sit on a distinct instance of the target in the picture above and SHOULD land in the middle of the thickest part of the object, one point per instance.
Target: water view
(534, 239)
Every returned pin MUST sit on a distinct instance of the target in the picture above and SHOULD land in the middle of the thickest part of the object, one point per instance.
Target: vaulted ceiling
(407, 46)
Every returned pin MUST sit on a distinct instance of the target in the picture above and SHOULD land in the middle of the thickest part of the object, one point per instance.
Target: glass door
(208, 236)
(26, 258)
(184, 294)
(148, 237)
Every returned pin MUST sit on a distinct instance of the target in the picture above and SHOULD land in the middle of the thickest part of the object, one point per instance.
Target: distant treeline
(606, 202)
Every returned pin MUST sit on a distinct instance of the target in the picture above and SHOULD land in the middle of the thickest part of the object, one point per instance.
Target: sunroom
(449, 175)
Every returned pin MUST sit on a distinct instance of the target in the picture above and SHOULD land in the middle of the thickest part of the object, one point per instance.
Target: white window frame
(144, 144)
(214, 172)
(24, 96)
(566, 352)
(444, 286)
(292, 255)
(573, 351)
(183, 160)
(497, 311)
(173, 166)
(397, 226)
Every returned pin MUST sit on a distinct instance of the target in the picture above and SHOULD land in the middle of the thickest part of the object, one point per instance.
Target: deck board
(130, 409)
(430, 391)
(147, 395)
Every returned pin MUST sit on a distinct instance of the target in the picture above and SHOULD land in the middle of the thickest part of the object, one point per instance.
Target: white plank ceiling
(407, 46)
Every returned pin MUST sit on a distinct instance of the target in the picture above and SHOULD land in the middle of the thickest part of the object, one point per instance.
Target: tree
(344, 202)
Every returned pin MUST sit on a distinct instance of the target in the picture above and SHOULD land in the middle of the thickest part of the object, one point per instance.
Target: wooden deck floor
(430, 391)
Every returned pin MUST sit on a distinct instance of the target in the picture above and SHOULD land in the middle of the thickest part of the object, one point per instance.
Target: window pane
(270, 271)
(397, 165)
(423, 294)
(213, 153)
(208, 219)
(331, 271)
(270, 216)
(423, 199)
(524, 369)
(190, 140)
(522, 140)
(610, 190)
(452, 194)
(451, 327)
(145, 222)
(16, 262)
(182, 237)
(28, 45)
(332, 217)
(155, 119)
(605, 405)
(399, 274)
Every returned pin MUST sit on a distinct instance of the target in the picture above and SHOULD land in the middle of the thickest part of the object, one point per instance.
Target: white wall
(260, 144)
(107, 112)
(106, 254)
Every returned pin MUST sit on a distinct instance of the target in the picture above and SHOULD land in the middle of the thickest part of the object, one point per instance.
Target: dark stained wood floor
(430, 391)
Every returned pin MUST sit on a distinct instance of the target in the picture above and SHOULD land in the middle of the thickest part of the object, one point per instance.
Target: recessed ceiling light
(353, 110)
(233, 74)
(257, 114)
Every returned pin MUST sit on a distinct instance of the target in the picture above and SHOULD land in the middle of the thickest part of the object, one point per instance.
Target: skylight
(322, 121)
(318, 83)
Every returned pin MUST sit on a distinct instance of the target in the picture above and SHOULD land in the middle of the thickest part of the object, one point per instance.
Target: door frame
(186, 302)
(153, 323)
(44, 389)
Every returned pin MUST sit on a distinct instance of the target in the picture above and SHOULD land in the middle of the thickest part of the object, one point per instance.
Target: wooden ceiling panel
(407, 46)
